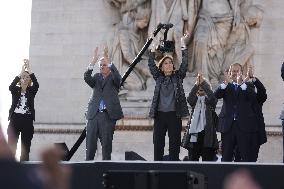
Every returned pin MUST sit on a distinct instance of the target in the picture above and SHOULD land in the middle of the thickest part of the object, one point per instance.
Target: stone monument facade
(65, 33)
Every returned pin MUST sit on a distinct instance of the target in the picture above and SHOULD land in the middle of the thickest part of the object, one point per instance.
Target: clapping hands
(249, 74)
(96, 55)
(199, 79)
(185, 39)
(26, 66)
(240, 78)
(227, 77)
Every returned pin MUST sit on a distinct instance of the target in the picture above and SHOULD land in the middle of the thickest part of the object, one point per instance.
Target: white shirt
(22, 107)
(243, 86)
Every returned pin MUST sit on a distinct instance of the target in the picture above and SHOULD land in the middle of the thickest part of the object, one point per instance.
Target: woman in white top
(22, 113)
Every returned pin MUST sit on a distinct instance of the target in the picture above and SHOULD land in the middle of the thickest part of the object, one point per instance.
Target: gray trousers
(101, 127)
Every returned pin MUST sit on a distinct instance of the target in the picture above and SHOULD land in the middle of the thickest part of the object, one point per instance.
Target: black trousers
(237, 155)
(167, 121)
(198, 149)
(21, 123)
(246, 144)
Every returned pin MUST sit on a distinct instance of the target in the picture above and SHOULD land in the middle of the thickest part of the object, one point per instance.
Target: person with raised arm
(238, 120)
(104, 107)
(169, 102)
(202, 131)
(22, 113)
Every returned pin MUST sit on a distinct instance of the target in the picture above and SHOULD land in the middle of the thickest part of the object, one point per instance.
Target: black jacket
(30, 94)
(261, 97)
(210, 137)
(177, 78)
(240, 102)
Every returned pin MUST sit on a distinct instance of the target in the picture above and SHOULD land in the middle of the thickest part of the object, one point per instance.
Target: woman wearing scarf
(203, 138)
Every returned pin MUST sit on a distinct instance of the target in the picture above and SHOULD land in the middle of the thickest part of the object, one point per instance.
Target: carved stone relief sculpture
(169, 11)
(219, 29)
(239, 46)
(210, 23)
(129, 36)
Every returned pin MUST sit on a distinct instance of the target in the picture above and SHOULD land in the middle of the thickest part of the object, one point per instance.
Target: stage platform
(89, 175)
(140, 141)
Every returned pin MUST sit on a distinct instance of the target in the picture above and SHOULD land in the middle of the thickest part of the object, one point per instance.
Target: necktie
(236, 87)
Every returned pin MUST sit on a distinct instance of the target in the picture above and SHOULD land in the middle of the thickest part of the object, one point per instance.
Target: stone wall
(63, 37)
(269, 57)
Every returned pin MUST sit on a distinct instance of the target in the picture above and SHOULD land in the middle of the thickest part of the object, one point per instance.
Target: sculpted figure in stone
(169, 11)
(239, 46)
(210, 23)
(129, 37)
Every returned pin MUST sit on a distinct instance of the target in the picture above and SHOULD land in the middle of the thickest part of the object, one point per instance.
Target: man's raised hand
(96, 56)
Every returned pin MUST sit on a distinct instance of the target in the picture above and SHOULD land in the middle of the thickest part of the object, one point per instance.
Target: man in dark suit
(237, 120)
(104, 107)
(261, 97)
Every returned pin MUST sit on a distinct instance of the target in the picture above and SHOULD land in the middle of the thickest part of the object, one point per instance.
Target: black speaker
(63, 146)
(130, 155)
(125, 180)
(154, 179)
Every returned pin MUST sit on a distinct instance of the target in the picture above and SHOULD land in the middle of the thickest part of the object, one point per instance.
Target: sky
(15, 19)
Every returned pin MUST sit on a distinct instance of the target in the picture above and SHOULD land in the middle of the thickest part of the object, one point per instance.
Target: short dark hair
(162, 60)
(236, 64)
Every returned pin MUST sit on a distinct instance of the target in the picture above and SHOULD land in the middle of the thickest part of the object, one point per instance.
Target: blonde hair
(29, 84)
